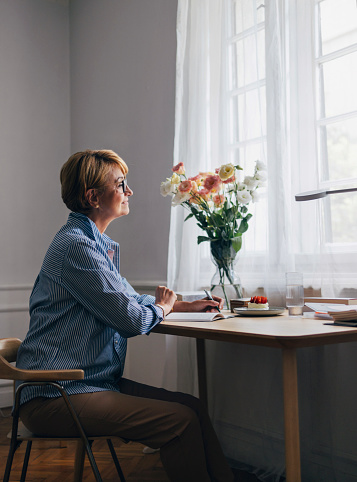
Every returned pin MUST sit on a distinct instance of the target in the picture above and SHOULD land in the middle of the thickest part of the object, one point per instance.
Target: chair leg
(26, 461)
(88, 448)
(14, 445)
(10, 458)
(79, 461)
(115, 459)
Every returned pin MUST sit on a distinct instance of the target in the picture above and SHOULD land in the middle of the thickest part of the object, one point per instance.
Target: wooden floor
(53, 461)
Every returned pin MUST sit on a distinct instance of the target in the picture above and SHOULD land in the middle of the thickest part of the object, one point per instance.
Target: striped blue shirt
(82, 311)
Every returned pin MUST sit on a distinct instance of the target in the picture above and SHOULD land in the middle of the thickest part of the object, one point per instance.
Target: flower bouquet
(219, 203)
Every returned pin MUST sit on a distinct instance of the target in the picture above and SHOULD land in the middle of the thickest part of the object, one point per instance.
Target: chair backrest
(9, 348)
(8, 353)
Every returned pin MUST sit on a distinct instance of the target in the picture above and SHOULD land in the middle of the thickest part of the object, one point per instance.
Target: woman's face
(114, 202)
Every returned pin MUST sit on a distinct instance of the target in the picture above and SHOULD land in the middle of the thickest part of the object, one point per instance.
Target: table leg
(201, 367)
(291, 416)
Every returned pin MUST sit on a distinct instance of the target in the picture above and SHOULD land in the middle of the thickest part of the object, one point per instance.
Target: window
(333, 118)
(246, 87)
(336, 120)
(275, 81)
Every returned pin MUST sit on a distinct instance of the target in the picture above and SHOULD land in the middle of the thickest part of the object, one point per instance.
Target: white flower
(175, 178)
(261, 177)
(260, 166)
(255, 196)
(250, 182)
(166, 188)
(241, 186)
(244, 197)
(170, 185)
(180, 197)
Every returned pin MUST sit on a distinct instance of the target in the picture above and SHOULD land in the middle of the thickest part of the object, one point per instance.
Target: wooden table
(284, 332)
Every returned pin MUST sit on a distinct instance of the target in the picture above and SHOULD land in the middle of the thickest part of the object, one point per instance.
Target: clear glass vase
(225, 282)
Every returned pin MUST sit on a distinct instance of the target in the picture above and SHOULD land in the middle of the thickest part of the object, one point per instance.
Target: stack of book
(239, 303)
(341, 311)
(320, 299)
(348, 317)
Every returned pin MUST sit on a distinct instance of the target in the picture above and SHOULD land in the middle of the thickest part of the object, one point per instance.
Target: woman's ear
(92, 198)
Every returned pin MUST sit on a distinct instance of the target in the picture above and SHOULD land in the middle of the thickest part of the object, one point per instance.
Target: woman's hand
(204, 305)
(165, 298)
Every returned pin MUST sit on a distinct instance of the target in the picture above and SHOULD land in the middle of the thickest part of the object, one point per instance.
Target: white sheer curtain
(277, 125)
(203, 142)
(274, 120)
(199, 134)
(199, 129)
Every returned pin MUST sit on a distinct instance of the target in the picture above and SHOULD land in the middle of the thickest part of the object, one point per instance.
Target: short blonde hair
(87, 170)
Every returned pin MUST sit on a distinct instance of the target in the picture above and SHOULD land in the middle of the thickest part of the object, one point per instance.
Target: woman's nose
(128, 191)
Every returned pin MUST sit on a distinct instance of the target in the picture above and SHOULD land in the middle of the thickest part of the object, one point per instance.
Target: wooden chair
(8, 353)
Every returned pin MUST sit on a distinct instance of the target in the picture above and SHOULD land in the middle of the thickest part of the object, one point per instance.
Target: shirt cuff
(163, 311)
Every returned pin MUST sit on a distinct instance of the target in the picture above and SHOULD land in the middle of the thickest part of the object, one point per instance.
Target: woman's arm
(101, 291)
(204, 304)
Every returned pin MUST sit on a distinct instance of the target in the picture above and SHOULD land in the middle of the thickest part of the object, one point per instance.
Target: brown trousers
(175, 422)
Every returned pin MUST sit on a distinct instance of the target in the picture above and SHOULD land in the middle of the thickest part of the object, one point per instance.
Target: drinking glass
(294, 293)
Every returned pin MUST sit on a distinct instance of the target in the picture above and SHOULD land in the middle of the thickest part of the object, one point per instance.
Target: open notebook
(188, 316)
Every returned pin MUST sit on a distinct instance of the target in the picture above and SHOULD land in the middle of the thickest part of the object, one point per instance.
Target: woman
(82, 312)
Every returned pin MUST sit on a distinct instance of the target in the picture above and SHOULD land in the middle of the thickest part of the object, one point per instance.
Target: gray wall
(77, 75)
(122, 98)
(34, 139)
(34, 131)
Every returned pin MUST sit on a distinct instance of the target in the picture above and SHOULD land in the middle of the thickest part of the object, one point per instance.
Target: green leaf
(201, 239)
(238, 167)
(237, 243)
(243, 209)
(202, 219)
(243, 226)
(210, 232)
(229, 215)
(189, 216)
(218, 220)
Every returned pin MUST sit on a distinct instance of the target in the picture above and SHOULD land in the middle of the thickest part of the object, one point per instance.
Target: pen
(210, 297)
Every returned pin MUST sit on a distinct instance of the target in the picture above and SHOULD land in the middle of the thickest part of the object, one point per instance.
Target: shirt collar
(91, 230)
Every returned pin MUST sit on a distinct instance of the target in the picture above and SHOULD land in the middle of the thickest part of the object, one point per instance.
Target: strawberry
(259, 299)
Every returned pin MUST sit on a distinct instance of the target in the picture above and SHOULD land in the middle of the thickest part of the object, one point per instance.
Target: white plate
(273, 311)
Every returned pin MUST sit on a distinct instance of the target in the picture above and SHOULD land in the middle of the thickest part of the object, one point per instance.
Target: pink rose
(218, 199)
(204, 175)
(179, 168)
(212, 183)
(187, 186)
(195, 178)
(204, 194)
